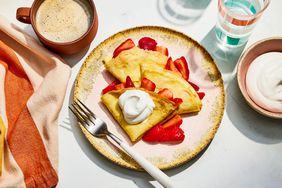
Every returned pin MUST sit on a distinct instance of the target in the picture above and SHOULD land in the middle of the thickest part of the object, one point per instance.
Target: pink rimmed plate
(199, 128)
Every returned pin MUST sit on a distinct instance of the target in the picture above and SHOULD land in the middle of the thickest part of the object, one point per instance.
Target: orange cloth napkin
(33, 82)
(2, 136)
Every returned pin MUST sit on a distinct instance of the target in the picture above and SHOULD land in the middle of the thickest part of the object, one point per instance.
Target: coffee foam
(63, 20)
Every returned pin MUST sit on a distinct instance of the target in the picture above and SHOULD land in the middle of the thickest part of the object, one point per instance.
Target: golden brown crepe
(163, 108)
(138, 63)
(128, 62)
(180, 87)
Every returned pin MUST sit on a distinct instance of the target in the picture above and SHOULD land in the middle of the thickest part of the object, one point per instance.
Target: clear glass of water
(182, 12)
(237, 19)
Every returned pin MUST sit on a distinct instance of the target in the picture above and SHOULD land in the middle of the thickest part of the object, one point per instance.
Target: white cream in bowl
(264, 81)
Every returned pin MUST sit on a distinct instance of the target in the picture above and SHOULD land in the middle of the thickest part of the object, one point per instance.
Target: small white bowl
(264, 46)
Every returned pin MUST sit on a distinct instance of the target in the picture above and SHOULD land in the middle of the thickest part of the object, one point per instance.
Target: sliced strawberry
(175, 121)
(110, 87)
(173, 134)
(160, 134)
(126, 45)
(166, 93)
(194, 86)
(148, 84)
(201, 95)
(119, 86)
(177, 101)
(182, 65)
(129, 82)
(170, 65)
(162, 50)
(147, 43)
(155, 134)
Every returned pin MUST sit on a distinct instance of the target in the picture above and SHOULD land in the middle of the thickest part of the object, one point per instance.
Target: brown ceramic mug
(29, 16)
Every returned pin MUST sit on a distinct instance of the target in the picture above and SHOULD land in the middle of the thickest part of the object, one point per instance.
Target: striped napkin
(32, 88)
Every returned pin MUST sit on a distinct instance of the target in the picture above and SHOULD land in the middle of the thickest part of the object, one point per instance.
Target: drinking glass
(182, 12)
(237, 19)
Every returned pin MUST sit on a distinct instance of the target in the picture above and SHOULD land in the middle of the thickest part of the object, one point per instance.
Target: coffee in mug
(63, 20)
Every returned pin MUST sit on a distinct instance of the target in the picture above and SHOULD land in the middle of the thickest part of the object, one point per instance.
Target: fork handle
(156, 173)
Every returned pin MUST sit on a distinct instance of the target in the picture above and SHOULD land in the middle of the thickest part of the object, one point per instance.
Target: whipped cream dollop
(136, 106)
(264, 81)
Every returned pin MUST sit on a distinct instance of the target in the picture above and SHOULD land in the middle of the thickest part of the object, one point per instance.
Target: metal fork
(98, 128)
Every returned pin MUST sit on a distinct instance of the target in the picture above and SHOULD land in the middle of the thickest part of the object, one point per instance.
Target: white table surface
(247, 149)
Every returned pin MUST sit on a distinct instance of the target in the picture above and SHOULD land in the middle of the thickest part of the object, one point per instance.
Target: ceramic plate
(199, 128)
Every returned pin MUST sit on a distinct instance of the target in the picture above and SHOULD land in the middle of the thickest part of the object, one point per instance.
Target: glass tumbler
(237, 19)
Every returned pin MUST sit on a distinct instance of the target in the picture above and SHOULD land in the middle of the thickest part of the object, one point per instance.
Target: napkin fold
(33, 82)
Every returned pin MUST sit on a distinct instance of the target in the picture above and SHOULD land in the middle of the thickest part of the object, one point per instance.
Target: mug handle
(23, 15)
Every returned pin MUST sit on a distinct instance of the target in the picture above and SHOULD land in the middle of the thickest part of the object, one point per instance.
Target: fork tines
(82, 112)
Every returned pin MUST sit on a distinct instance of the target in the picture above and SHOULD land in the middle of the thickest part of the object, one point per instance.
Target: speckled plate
(199, 128)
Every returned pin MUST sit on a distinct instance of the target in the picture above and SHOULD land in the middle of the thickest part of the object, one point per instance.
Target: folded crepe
(175, 83)
(163, 109)
(32, 88)
(138, 63)
(128, 63)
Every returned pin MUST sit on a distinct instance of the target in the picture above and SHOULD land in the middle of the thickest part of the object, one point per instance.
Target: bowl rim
(242, 87)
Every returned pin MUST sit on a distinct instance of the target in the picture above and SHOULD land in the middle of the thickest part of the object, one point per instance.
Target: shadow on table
(225, 58)
(253, 125)
(73, 59)
(182, 12)
(141, 179)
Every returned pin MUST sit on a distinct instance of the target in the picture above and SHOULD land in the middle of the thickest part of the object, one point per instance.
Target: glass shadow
(225, 57)
(182, 12)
